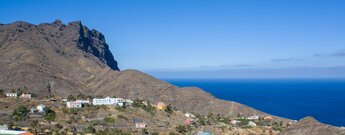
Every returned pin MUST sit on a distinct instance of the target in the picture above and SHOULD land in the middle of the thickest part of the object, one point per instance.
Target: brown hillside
(310, 126)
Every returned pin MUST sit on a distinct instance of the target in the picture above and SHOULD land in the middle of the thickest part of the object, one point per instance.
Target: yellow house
(161, 106)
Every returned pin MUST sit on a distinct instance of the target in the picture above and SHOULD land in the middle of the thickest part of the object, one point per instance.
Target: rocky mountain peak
(20, 26)
(308, 120)
(58, 22)
(76, 24)
(92, 41)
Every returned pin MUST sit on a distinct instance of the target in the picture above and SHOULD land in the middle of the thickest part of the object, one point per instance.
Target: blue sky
(208, 38)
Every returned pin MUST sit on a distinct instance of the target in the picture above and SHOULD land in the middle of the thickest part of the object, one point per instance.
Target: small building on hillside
(145, 103)
(14, 132)
(139, 123)
(234, 122)
(254, 117)
(11, 95)
(188, 115)
(119, 101)
(202, 133)
(28, 96)
(128, 102)
(103, 101)
(64, 100)
(83, 101)
(252, 124)
(189, 121)
(108, 101)
(73, 104)
(161, 106)
(4, 127)
(40, 108)
(268, 118)
(33, 110)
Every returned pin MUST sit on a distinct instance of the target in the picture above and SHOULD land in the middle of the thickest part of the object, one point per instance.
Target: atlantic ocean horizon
(323, 99)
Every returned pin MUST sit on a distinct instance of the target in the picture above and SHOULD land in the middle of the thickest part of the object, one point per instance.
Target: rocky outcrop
(310, 126)
(93, 42)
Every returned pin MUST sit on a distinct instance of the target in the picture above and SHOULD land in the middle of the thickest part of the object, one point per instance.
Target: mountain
(310, 126)
(61, 60)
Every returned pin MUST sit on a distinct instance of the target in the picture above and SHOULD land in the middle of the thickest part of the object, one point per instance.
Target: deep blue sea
(292, 98)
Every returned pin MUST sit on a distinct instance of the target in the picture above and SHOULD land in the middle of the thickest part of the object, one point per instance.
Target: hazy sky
(188, 37)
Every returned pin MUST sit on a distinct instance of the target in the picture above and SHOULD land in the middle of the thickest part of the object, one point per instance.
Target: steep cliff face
(58, 59)
(93, 42)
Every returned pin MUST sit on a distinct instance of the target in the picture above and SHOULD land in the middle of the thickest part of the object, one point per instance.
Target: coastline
(325, 104)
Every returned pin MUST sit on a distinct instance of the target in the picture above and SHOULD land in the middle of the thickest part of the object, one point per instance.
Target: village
(134, 116)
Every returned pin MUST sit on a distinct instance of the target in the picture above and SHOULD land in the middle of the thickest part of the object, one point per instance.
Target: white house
(3, 127)
(28, 96)
(108, 101)
(254, 117)
(187, 114)
(83, 101)
(11, 94)
(40, 108)
(234, 122)
(119, 101)
(103, 101)
(64, 100)
(13, 132)
(252, 124)
(33, 110)
(128, 102)
(202, 133)
(139, 123)
(74, 104)
(145, 103)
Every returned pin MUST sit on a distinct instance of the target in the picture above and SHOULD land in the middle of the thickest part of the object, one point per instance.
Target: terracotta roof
(26, 134)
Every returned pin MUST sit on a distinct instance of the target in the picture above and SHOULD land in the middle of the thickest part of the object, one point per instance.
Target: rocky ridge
(310, 126)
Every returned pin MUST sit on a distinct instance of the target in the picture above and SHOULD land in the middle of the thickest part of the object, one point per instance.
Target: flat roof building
(74, 104)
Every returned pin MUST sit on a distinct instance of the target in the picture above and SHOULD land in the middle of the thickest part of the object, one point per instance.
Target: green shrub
(169, 109)
(172, 133)
(90, 129)
(73, 111)
(122, 117)
(49, 114)
(58, 126)
(109, 120)
(137, 103)
(182, 129)
(70, 98)
(20, 113)
(154, 133)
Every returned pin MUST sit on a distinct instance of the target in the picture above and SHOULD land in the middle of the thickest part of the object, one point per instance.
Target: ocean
(323, 99)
